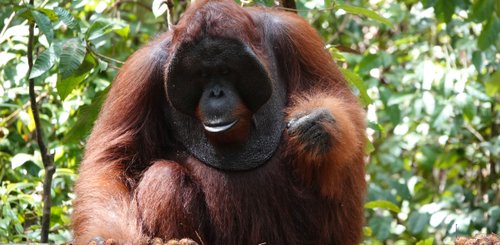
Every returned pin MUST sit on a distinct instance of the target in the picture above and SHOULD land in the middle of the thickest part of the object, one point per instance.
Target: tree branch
(48, 164)
(8, 120)
(289, 5)
(494, 131)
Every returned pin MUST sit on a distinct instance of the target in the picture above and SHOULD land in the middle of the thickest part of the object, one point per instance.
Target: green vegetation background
(426, 71)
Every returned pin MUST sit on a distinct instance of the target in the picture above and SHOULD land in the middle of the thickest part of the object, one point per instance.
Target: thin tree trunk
(48, 163)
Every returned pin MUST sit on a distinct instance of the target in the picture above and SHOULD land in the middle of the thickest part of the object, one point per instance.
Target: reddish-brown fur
(136, 182)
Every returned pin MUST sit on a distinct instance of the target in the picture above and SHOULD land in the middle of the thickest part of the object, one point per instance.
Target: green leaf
(494, 212)
(492, 86)
(64, 172)
(497, 7)
(428, 241)
(44, 62)
(44, 24)
(381, 226)
(19, 228)
(122, 31)
(103, 65)
(428, 3)
(367, 231)
(24, 12)
(490, 33)
(371, 61)
(49, 13)
(482, 10)
(336, 55)
(443, 116)
(417, 222)
(477, 60)
(19, 187)
(355, 80)
(72, 55)
(444, 10)
(365, 12)
(87, 114)
(383, 204)
(100, 28)
(66, 17)
(397, 99)
(376, 126)
(20, 159)
(68, 84)
(369, 148)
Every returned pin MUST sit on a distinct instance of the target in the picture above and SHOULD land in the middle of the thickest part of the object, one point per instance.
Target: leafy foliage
(426, 71)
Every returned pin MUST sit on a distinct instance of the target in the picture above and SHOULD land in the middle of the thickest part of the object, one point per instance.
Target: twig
(474, 132)
(340, 29)
(168, 17)
(48, 164)
(305, 10)
(7, 24)
(289, 4)
(494, 131)
(199, 237)
(7, 121)
(103, 56)
(486, 153)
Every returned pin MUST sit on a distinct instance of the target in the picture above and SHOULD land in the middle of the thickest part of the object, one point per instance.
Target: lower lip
(219, 129)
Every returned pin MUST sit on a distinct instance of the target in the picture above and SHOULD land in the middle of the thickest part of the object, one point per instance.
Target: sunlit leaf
(87, 114)
(68, 84)
(49, 13)
(443, 116)
(490, 33)
(66, 17)
(355, 80)
(336, 55)
(123, 31)
(159, 7)
(72, 55)
(18, 187)
(383, 204)
(417, 222)
(102, 65)
(100, 28)
(44, 24)
(43, 62)
(367, 231)
(60, 172)
(428, 241)
(493, 84)
(369, 148)
(365, 12)
(381, 226)
(399, 98)
(20, 159)
(376, 126)
(24, 12)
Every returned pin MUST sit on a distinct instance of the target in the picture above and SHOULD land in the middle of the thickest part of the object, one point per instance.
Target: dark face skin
(219, 102)
(228, 108)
